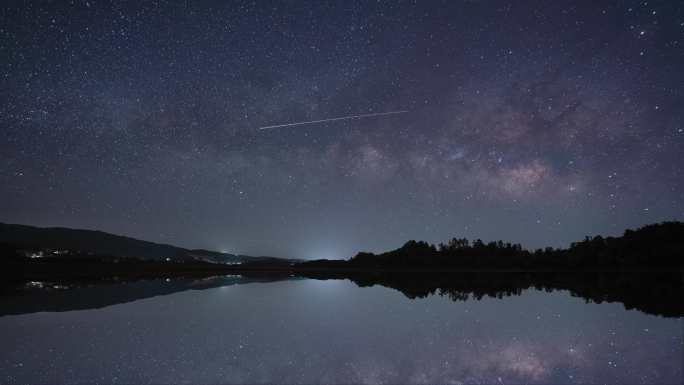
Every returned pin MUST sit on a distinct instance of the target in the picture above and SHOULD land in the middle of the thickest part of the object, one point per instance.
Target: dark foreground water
(238, 330)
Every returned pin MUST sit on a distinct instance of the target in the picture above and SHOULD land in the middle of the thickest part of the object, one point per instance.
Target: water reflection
(658, 293)
(38, 296)
(331, 331)
(653, 293)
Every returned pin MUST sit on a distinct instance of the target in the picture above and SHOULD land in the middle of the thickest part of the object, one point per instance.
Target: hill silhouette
(641, 269)
(99, 243)
(29, 253)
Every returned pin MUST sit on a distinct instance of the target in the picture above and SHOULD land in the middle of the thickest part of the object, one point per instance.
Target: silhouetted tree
(659, 245)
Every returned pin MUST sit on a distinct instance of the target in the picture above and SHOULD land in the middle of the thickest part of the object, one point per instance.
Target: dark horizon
(439, 245)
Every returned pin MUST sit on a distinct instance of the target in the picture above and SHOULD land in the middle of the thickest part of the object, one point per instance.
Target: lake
(258, 330)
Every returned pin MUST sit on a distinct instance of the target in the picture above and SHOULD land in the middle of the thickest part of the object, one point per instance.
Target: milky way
(534, 122)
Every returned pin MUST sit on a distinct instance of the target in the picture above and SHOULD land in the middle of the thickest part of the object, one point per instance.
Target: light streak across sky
(334, 119)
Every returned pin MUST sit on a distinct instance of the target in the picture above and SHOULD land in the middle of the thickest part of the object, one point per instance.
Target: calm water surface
(317, 331)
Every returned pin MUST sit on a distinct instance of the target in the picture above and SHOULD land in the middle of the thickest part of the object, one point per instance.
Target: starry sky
(530, 121)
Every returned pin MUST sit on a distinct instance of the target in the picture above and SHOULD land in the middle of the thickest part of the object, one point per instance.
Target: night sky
(533, 122)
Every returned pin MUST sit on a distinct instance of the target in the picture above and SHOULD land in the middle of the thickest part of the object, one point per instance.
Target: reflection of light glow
(323, 286)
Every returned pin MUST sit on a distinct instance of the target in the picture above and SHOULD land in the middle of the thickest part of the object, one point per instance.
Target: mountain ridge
(103, 243)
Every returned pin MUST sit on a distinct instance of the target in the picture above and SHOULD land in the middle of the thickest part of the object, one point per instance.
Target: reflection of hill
(37, 296)
(655, 293)
(652, 293)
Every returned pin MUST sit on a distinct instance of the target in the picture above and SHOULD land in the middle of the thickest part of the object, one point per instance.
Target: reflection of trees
(652, 293)
(658, 246)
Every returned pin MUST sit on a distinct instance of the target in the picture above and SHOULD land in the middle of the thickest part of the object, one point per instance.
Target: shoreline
(90, 270)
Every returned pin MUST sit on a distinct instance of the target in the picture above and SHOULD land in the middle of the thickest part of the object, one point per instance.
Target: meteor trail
(333, 119)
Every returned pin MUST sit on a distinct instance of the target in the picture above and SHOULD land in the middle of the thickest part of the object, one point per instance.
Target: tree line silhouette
(653, 246)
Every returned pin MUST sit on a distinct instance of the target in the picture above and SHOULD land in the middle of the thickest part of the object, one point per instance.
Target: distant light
(168, 259)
